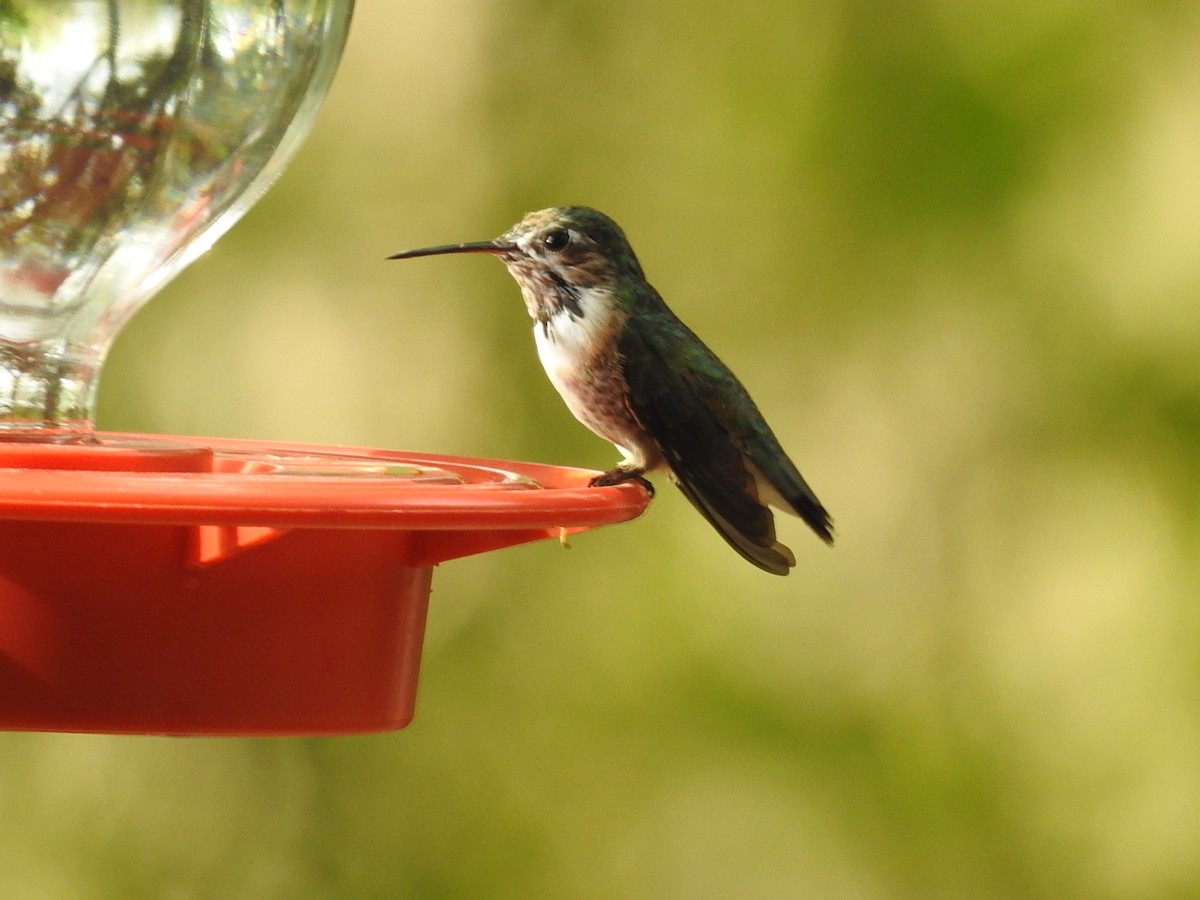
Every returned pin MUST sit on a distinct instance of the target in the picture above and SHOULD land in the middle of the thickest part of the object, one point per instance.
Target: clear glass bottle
(133, 134)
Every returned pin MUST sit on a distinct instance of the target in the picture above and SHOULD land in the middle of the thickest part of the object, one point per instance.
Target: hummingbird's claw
(620, 476)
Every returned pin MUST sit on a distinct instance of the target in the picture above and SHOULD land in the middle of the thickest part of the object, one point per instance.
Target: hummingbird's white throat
(575, 334)
(578, 350)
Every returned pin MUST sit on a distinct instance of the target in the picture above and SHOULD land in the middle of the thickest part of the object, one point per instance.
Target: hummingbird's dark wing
(714, 439)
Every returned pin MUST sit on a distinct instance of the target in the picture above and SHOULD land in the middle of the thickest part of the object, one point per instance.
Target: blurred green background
(954, 251)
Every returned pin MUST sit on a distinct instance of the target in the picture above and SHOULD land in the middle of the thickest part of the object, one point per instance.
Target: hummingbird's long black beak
(494, 247)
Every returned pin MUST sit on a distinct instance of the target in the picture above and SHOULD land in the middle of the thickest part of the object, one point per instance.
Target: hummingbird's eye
(557, 239)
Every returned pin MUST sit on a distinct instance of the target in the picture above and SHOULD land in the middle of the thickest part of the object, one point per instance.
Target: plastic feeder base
(312, 632)
(244, 588)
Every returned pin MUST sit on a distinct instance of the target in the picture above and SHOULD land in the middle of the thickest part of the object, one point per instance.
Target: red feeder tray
(193, 586)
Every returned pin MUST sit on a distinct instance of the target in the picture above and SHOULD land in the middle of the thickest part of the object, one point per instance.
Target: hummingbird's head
(556, 255)
(576, 245)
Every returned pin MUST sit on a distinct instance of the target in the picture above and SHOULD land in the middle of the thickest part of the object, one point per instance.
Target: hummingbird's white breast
(568, 342)
(578, 350)
(579, 354)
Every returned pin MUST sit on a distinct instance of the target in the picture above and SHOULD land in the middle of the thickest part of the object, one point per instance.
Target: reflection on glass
(133, 133)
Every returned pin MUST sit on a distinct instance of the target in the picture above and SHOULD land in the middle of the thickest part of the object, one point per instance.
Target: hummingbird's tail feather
(789, 492)
(750, 539)
(711, 471)
(709, 433)
(808, 508)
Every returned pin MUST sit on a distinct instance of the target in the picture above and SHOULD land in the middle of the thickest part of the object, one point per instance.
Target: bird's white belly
(572, 347)
(568, 353)
(579, 356)
(564, 348)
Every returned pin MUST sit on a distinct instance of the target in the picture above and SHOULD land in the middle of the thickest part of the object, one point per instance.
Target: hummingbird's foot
(620, 476)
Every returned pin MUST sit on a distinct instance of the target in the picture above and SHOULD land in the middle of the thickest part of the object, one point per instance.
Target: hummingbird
(639, 378)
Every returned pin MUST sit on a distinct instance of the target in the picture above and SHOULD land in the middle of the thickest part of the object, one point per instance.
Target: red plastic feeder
(193, 586)
(244, 587)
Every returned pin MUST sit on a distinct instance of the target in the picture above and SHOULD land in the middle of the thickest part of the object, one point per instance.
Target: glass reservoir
(133, 134)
